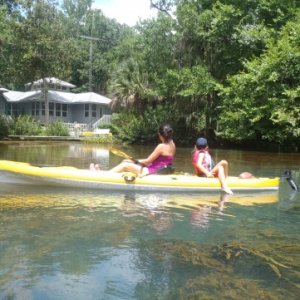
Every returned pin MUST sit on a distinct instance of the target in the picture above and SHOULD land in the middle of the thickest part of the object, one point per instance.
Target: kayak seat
(165, 170)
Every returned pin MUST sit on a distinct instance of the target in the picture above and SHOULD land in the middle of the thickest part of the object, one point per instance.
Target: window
(86, 110)
(35, 108)
(64, 110)
(43, 108)
(58, 109)
(11, 109)
(94, 112)
(90, 110)
(51, 109)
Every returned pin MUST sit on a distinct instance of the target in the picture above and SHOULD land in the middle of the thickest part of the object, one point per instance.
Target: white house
(50, 99)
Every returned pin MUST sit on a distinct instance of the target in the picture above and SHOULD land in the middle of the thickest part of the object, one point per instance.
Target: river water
(88, 244)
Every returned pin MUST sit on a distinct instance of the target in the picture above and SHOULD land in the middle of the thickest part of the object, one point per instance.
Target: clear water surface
(88, 244)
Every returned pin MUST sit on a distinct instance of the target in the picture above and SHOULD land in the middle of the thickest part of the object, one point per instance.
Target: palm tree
(130, 86)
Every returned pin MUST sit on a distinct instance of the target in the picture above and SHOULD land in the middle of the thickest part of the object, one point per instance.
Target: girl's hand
(209, 175)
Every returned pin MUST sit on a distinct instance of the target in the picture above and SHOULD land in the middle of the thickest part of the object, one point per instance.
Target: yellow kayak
(82, 178)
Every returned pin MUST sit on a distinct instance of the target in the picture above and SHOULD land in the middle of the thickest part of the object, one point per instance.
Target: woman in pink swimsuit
(162, 155)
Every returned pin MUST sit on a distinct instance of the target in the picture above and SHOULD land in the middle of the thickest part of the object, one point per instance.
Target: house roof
(56, 96)
(13, 96)
(78, 98)
(51, 80)
(2, 90)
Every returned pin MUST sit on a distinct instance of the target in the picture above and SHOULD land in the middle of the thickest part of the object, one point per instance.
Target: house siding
(2, 104)
(79, 113)
(83, 108)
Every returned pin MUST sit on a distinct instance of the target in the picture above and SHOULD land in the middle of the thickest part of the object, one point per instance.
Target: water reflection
(58, 243)
(290, 203)
(200, 216)
(56, 153)
(110, 244)
(149, 206)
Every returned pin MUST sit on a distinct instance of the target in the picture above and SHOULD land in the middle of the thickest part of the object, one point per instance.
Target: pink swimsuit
(161, 161)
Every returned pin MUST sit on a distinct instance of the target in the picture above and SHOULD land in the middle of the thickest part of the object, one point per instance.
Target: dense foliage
(5, 123)
(56, 128)
(263, 102)
(25, 125)
(225, 69)
(133, 128)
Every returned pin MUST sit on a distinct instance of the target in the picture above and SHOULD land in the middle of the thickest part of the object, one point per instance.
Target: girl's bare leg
(221, 169)
(224, 164)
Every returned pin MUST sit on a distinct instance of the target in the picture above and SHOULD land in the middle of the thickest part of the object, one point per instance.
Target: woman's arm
(156, 152)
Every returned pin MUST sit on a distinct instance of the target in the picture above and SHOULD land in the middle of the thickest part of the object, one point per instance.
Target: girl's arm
(201, 167)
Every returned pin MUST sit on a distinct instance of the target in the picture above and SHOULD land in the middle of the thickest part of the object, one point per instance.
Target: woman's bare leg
(126, 166)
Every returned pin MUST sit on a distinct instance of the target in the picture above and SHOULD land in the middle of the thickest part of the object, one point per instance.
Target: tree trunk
(208, 116)
(45, 94)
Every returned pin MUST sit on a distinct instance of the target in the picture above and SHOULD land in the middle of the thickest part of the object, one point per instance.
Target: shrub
(56, 128)
(100, 139)
(126, 126)
(5, 124)
(104, 126)
(25, 125)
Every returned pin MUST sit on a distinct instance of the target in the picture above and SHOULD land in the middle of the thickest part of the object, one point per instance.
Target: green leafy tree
(165, 6)
(156, 43)
(191, 87)
(108, 33)
(96, 36)
(41, 45)
(133, 128)
(144, 58)
(10, 5)
(262, 103)
(223, 34)
(76, 12)
(130, 85)
(5, 39)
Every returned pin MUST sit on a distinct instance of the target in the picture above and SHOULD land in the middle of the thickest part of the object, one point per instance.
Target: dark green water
(81, 244)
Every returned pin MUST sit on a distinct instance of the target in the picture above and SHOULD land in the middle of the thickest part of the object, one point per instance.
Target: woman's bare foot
(94, 167)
